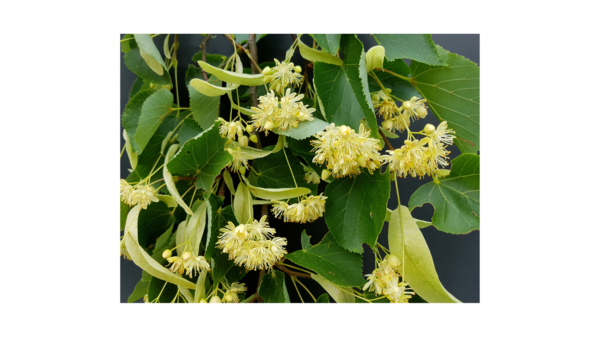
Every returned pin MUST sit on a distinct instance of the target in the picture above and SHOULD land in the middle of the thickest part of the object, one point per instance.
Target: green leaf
(273, 172)
(332, 262)
(169, 291)
(153, 222)
(142, 259)
(305, 240)
(339, 294)
(418, 264)
(194, 228)
(355, 209)
(272, 288)
(145, 43)
(189, 129)
(154, 110)
(140, 290)
(220, 219)
(242, 204)
(221, 265)
(328, 42)
(205, 109)
(455, 198)
(137, 86)
(233, 77)
(452, 94)
(134, 62)
(317, 55)
(324, 298)
(235, 274)
(400, 88)
(125, 48)
(210, 90)
(163, 241)
(124, 210)
(171, 184)
(418, 47)
(131, 115)
(343, 91)
(203, 156)
(304, 130)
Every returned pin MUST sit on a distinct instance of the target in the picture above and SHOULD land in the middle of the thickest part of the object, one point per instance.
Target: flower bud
(325, 174)
(298, 69)
(249, 128)
(243, 141)
(269, 125)
(228, 298)
(203, 301)
(215, 299)
(393, 261)
(166, 254)
(186, 256)
(407, 105)
(242, 170)
(429, 129)
(375, 98)
(372, 165)
(388, 90)
(344, 130)
(388, 124)
(362, 161)
(266, 71)
(254, 139)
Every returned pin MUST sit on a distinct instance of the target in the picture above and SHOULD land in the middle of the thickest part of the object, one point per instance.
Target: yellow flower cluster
(386, 280)
(345, 152)
(283, 113)
(282, 75)
(239, 161)
(231, 295)
(400, 118)
(188, 262)
(308, 209)
(252, 245)
(415, 159)
(140, 195)
(231, 129)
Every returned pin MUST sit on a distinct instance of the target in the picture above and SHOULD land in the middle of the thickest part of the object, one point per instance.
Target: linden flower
(195, 265)
(387, 109)
(292, 111)
(414, 108)
(266, 112)
(252, 245)
(230, 129)
(177, 264)
(308, 209)
(231, 294)
(238, 160)
(144, 195)
(279, 208)
(310, 176)
(344, 151)
(398, 292)
(282, 75)
(126, 193)
(411, 159)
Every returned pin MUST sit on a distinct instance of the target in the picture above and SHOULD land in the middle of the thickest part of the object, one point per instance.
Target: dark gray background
(456, 257)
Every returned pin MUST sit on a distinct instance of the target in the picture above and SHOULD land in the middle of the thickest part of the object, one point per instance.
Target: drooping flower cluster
(231, 129)
(140, 195)
(231, 295)
(188, 262)
(308, 209)
(415, 159)
(239, 161)
(252, 245)
(282, 75)
(283, 113)
(399, 118)
(386, 280)
(345, 152)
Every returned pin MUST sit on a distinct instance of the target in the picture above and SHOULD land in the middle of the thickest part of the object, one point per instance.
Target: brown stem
(221, 192)
(291, 272)
(293, 36)
(387, 142)
(260, 277)
(203, 47)
(241, 48)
